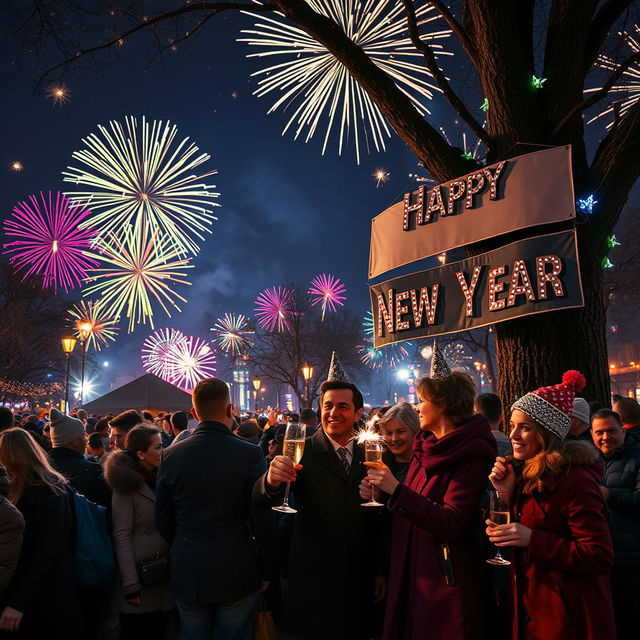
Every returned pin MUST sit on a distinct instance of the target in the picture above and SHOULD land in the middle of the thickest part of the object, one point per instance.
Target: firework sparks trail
(48, 241)
(190, 361)
(390, 355)
(310, 80)
(135, 175)
(273, 308)
(103, 324)
(233, 334)
(328, 291)
(141, 268)
(155, 350)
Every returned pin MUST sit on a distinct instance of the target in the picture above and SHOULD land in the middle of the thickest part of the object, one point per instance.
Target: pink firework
(48, 242)
(155, 351)
(273, 308)
(328, 291)
(190, 361)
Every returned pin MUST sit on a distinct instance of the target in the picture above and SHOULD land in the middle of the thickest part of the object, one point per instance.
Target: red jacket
(439, 503)
(560, 583)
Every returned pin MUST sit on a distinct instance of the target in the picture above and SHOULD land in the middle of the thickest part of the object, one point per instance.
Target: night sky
(287, 213)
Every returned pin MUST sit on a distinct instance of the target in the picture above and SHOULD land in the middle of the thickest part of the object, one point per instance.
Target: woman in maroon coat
(563, 555)
(436, 570)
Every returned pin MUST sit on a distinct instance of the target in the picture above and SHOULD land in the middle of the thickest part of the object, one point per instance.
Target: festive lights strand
(587, 204)
(48, 241)
(138, 174)
(316, 86)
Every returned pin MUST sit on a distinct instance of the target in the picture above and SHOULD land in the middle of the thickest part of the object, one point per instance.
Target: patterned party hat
(336, 372)
(439, 366)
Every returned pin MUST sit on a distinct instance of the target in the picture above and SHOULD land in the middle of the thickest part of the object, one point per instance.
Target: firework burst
(310, 79)
(48, 241)
(59, 94)
(189, 361)
(628, 86)
(273, 308)
(388, 356)
(233, 334)
(328, 291)
(103, 324)
(155, 350)
(141, 267)
(135, 175)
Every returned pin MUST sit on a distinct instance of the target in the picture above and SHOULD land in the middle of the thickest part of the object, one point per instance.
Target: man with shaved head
(629, 411)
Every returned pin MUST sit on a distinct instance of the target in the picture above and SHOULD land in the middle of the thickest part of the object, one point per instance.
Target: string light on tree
(612, 242)
(316, 86)
(586, 204)
(138, 174)
(485, 105)
(537, 83)
(606, 263)
(48, 241)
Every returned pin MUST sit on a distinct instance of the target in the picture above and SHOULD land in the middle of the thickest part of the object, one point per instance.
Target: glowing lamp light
(84, 329)
(307, 371)
(68, 344)
(105, 363)
(256, 383)
(402, 374)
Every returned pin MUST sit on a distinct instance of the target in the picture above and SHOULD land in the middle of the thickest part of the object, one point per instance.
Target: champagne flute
(499, 513)
(293, 448)
(373, 453)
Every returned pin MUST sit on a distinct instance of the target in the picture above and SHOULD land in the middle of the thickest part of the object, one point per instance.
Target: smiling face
(608, 435)
(430, 414)
(524, 435)
(398, 438)
(339, 414)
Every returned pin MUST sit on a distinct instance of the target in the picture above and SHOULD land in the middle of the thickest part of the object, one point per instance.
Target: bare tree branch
(439, 76)
(597, 95)
(601, 24)
(458, 30)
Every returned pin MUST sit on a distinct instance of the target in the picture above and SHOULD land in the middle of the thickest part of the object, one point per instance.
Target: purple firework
(48, 241)
(272, 308)
(328, 291)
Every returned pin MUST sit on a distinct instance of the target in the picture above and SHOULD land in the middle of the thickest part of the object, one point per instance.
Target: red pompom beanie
(551, 407)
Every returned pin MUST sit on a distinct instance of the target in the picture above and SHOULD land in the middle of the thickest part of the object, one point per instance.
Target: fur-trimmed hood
(122, 473)
(580, 453)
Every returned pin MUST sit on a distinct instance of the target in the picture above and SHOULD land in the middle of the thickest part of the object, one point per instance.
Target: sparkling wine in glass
(499, 513)
(292, 448)
(373, 453)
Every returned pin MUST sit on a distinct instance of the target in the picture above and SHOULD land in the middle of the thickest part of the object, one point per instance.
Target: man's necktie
(342, 452)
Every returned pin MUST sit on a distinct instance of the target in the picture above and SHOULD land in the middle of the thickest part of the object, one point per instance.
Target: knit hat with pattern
(551, 407)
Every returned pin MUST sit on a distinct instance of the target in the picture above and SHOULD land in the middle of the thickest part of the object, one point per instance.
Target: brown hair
(455, 393)
(27, 464)
(139, 438)
(329, 385)
(546, 464)
(210, 397)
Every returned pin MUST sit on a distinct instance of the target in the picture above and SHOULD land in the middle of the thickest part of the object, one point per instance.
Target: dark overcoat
(204, 510)
(336, 547)
(439, 505)
(560, 582)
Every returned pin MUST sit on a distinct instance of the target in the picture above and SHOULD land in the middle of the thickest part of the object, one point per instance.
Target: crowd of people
(199, 552)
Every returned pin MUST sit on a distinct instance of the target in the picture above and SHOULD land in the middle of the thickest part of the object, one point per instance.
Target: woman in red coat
(436, 587)
(563, 555)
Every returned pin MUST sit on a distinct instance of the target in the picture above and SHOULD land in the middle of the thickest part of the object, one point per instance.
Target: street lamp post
(307, 374)
(68, 344)
(256, 385)
(84, 331)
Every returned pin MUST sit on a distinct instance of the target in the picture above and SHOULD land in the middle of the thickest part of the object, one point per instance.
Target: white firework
(627, 86)
(233, 334)
(190, 361)
(316, 85)
(155, 350)
(136, 175)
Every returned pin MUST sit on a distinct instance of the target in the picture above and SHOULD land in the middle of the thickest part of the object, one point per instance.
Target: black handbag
(152, 573)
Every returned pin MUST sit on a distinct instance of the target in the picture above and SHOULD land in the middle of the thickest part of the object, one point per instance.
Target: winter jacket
(135, 536)
(622, 478)
(11, 531)
(437, 505)
(83, 475)
(560, 582)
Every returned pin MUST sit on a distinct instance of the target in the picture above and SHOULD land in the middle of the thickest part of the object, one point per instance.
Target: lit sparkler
(137, 175)
(48, 241)
(190, 361)
(316, 85)
(103, 325)
(141, 268)
(59, 94)
(272, 308)
(233, 334)
(155, 350)
(380, 176)
(328, 291)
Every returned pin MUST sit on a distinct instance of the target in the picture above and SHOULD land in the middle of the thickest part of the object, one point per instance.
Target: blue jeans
(229, 621)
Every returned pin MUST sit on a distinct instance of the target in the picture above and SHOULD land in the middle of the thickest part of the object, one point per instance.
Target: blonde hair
(546, 465)
(27, 464)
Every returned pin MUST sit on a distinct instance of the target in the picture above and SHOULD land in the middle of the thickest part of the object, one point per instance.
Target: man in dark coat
(67, 456)
(629, 411)
(335, 553)
(204, 510)
(620, 452)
